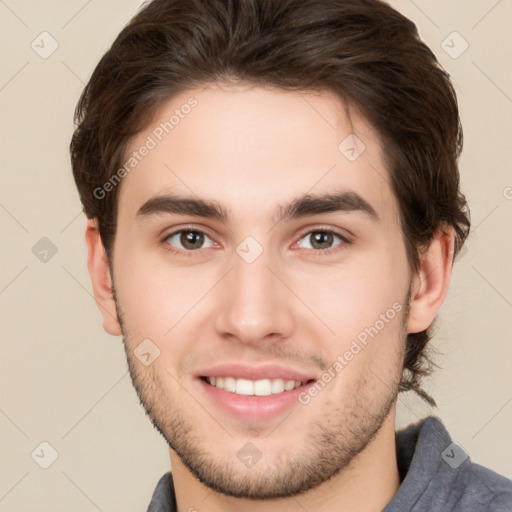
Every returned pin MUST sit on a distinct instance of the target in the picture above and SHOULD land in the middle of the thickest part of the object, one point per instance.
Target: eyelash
(344, 241)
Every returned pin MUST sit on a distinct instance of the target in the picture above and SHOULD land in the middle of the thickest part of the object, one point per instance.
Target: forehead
(253, 149)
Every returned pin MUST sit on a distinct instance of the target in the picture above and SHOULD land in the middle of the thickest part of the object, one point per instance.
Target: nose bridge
(254, 302)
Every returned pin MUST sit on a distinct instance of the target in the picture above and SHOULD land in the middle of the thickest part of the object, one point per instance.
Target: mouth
(253, 393)
(262, 387)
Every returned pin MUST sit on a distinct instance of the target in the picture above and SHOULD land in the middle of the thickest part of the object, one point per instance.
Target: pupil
(190, 239)
(322, 239)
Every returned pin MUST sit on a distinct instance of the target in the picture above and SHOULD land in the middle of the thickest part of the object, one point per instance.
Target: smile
(263, 387)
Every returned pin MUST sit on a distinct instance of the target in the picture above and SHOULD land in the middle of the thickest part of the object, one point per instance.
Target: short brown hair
(364, 51)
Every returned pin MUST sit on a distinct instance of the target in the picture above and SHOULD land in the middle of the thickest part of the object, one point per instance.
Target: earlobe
(99, 270)
(430, 284)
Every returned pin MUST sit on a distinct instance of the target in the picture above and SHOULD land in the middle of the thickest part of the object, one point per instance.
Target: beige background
(64, 381)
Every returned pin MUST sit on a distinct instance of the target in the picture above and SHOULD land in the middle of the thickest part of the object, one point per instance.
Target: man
(274, 210)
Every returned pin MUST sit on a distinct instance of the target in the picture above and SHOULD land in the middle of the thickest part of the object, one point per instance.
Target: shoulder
(439, 475)
(469, 486)
(483, 489)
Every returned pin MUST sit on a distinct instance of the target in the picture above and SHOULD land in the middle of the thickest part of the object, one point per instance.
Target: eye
(321, 240)
(188, 240)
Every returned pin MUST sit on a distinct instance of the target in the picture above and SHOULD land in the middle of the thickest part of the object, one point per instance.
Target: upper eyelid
(187, 228)
(336, 231)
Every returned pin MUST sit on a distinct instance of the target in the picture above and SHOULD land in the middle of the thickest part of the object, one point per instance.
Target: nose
(254, 305)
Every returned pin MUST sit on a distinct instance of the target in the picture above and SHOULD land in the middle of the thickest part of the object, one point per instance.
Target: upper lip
(266, 371)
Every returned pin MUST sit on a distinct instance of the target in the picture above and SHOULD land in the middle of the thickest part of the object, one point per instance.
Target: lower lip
(252, 407)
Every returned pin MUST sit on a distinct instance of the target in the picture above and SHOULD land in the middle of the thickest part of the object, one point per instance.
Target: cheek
(363, 302)
(153, 296)
(352, 296)
(171, 305)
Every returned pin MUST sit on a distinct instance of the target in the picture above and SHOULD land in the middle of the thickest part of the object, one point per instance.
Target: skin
(254, 149)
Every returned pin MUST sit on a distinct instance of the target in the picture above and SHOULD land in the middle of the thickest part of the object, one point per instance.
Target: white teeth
(289, 385)
(262, 387)
(243, 387)
(277, 386)
(230, 384)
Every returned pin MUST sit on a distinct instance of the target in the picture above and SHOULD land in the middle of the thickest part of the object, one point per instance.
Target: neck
(368, 483)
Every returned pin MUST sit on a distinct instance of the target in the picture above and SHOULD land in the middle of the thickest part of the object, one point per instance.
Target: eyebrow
(304, 206)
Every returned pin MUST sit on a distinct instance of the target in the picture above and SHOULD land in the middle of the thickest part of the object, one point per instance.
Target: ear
(99, 270)
(430, 284)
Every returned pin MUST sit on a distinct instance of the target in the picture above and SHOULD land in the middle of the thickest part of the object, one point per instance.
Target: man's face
(256, 298)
